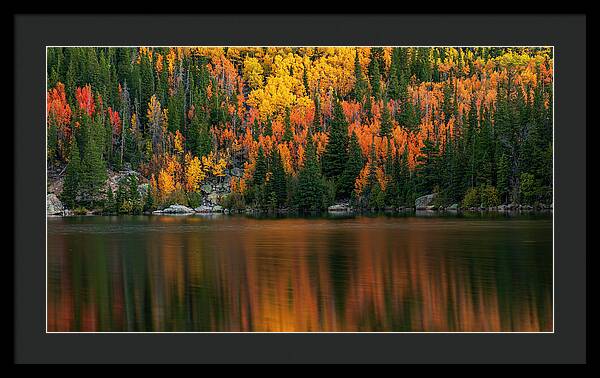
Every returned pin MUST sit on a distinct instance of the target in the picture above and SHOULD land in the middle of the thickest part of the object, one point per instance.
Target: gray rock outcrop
(53, 205)
(423, 202)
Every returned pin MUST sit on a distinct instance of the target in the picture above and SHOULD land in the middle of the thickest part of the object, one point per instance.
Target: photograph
(299, 188)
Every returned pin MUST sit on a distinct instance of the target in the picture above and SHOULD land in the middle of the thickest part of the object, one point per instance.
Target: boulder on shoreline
(339, 207)
(53, 205)
(423, 202)
(177, 209)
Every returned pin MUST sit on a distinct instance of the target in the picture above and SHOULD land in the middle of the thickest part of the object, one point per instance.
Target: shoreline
(324, 214)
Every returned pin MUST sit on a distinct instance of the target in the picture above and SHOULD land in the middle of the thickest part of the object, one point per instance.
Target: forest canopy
(300, 127)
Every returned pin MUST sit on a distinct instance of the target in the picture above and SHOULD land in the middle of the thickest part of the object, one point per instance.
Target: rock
(226, 211)
(454, 207)
(203, 209)
(526, 207)
(502, 208)
(430, 207)
(237, 172)
(178, 209)
(512, 206)
(217, 209)
(207, 188)
(421, 203)
(339, 207)
(53, 205)
(157, 212)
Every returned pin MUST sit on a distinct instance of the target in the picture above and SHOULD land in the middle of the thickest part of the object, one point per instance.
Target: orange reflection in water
(242, 274)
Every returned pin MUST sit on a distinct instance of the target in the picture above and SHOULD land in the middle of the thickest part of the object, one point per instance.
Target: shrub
(472, 198)
(80, 211)
(234, 201)
(489, 196)
(529, 188)
(176, 197)
(194, 199)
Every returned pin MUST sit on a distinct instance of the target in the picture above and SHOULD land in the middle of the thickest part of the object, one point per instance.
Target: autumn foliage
(183, 115)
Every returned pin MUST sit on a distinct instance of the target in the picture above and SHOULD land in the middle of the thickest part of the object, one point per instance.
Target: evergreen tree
(146, 82)
(310, 187)
(360, 86)
(334, 157)
(134, 195)
(386, 121)
(71, 182)
(393, 86)
(110, 204)
(353, 167)
(200, 139)
(93, 167)
(427, 170)
(260, 169)
(277, 182)
(149, 201)
(376, 81)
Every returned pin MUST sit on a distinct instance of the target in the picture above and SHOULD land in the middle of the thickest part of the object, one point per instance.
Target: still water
(225, 273)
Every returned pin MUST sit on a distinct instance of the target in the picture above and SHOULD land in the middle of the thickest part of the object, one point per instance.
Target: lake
(351, 274)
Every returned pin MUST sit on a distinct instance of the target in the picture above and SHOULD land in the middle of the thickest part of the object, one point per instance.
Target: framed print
(300, 196)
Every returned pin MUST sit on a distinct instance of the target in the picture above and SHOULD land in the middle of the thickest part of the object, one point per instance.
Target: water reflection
(354, 274)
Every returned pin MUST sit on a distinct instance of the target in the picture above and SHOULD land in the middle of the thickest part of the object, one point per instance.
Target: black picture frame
(567, 33)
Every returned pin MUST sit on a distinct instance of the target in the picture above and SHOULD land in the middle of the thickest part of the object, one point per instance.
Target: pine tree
(334, 157)
(427, 169)
(386, 121)
(200, 139)
(353, 167)
(93, 167)
(71, 182)
(393, 86)
(134, 195)
(310, 187)
(277, 182)
(149, 201)
(110, 204)
(146, 82)
(360, 86)
(121, 203)
(376, 81)
(260, 169)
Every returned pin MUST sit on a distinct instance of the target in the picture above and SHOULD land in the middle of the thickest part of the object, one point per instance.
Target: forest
(300, 128)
